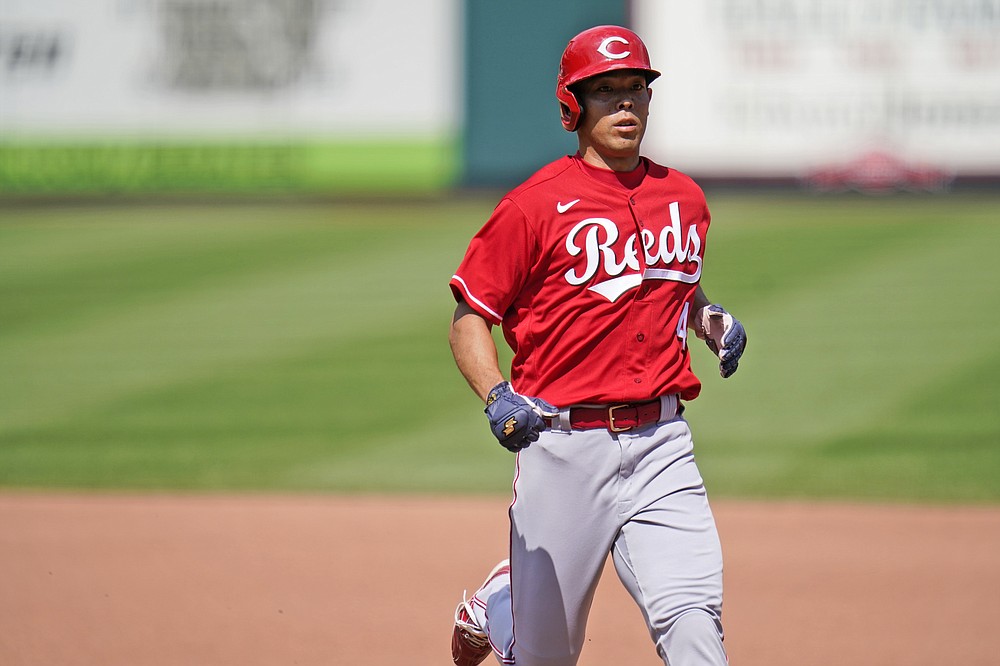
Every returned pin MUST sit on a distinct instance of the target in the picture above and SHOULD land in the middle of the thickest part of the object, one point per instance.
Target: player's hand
(516, 419)
(724, 335)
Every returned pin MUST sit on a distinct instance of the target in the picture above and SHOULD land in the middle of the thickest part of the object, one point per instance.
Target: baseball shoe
(469, 643)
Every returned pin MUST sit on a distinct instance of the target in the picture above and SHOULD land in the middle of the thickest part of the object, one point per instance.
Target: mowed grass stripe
(319, 360)
(759, 247)
(271, 422)
(201, 329)
(62, 273)
(855, 358)
(869, 334)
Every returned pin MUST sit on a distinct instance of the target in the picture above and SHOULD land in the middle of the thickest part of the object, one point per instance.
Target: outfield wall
(816, 88)
(334, 96)
(134, 95)
(511, 115)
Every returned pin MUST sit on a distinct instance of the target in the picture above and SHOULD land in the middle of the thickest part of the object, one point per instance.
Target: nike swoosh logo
(563, 207)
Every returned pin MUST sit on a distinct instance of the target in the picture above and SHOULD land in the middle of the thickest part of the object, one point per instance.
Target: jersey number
(682, 326)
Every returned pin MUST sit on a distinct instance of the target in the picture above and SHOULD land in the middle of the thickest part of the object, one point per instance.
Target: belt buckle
(611, 419)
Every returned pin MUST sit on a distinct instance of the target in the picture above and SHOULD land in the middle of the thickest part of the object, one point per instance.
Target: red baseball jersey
(592, 275)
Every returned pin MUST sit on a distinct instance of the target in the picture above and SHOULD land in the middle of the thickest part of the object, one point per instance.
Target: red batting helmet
(592, 52)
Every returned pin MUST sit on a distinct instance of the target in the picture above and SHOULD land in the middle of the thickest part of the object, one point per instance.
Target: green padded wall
(512, 54)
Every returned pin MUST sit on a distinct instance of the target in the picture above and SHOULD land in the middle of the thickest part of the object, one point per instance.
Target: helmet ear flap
(569, 109)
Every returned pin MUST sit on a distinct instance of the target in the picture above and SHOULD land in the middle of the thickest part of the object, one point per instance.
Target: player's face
(615, 109)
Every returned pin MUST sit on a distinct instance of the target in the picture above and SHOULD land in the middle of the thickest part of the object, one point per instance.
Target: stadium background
(338, 96)
(226, 230)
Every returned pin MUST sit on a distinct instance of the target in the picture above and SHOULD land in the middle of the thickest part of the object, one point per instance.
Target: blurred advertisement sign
(260, 46)
(836, 91)
(283, 87)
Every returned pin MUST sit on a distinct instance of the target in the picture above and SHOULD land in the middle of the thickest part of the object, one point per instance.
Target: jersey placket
(637, 334)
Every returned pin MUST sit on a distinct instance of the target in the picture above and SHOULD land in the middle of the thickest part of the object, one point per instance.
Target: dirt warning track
(137, 580)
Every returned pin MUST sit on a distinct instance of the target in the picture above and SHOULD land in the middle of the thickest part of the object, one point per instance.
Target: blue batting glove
(515, 419)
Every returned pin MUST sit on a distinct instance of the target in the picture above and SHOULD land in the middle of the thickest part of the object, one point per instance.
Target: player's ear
(650, 91)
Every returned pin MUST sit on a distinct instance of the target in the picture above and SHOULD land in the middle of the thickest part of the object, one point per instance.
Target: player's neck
(594, 158)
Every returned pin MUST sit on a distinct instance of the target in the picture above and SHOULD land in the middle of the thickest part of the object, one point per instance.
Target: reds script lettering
(665, 256)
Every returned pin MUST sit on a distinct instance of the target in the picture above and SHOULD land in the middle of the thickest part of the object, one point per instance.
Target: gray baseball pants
(581, 494)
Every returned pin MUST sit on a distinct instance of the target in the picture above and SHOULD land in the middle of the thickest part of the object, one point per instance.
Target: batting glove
(516, 419)
(724, 335)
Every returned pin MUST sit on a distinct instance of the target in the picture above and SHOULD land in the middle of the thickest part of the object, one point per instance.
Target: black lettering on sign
(27, 52)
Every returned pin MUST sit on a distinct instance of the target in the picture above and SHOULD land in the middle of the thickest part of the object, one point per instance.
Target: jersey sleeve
(497, 262)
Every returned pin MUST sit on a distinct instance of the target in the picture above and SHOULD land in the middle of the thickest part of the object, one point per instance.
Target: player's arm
(474, 350)
(700, 301)
(515, 420)
(723, 333)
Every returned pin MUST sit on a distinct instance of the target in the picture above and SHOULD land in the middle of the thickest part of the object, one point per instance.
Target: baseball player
(592, 268)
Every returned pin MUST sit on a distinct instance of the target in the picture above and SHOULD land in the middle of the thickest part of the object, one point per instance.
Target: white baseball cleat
(469, 643)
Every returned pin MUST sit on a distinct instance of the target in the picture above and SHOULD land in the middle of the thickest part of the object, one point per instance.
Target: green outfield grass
(304, 348)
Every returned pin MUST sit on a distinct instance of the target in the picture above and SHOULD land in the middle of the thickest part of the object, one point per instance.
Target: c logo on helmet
(603, 48)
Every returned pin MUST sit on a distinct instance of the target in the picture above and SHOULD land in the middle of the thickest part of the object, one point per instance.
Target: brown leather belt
(616, 418)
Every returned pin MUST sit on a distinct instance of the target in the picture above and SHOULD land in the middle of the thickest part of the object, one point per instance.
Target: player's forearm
(700, 301)
(474, 351)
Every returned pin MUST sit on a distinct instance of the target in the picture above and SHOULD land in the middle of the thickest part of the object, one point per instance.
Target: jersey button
(637, 380)
(640, 337)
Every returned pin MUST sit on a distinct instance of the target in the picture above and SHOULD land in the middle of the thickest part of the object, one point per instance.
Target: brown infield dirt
(247, 580)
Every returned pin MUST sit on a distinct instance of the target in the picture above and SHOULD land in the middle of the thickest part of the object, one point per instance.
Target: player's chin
(628, 135)
(625, 145)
